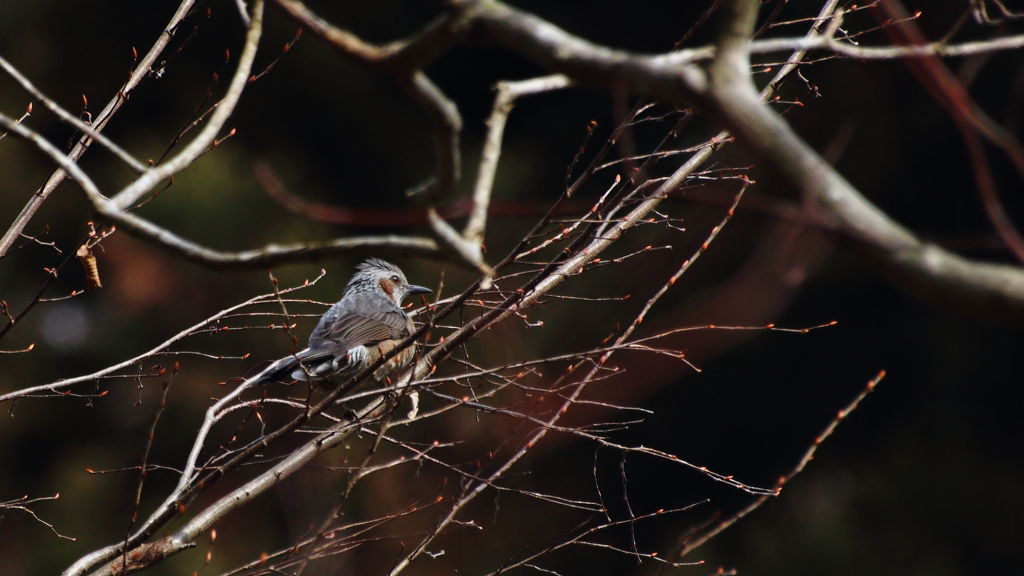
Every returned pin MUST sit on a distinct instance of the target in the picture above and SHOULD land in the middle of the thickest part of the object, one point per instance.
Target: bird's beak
(417, 290)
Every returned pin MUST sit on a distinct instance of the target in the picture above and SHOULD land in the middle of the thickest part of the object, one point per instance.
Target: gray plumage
(366, 323)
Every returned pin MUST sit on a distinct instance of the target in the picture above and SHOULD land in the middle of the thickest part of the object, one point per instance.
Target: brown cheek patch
(387, 286)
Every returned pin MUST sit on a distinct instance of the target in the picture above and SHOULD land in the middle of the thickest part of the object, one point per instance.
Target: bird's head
(384, 278)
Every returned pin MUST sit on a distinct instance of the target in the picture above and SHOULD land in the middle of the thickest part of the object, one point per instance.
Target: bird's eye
(395, 278)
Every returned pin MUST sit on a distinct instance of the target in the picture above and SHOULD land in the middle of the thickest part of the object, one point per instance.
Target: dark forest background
(926, 477)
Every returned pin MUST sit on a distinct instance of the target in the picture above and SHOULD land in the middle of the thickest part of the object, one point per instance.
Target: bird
(356, 331)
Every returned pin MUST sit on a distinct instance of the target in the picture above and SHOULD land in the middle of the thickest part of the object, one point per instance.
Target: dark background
(926, 477)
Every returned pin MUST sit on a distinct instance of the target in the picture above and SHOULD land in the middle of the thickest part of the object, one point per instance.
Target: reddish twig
(695, 542)
(944, 86)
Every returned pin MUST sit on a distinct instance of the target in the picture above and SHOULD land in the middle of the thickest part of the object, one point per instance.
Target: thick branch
(272, 254)
(464, 250)
(990, 291)
(404, 60)
(503, 102)
(149, 554)
(445, 125)
(668, 77)
(400, 58)
(970, 118)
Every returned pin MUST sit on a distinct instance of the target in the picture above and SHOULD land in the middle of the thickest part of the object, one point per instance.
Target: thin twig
(693, 543)
(99, 122)
(87, 129)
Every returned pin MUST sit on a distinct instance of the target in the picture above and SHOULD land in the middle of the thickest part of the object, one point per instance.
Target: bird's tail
(278, 371)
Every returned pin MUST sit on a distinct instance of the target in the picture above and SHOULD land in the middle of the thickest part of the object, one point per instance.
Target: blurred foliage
(924, 478)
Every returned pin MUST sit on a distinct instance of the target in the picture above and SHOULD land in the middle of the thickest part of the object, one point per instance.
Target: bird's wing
(359, 320)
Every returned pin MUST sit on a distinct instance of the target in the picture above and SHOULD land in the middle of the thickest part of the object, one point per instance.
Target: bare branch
(468, 252)
(401, 58)
(508, 92)
(668, 77)
(691, 544)
(970, 118)
(277, 254)
(201, 143)
(837, 46)
(184, 537)
(164, 346)
(28, 112)
(243, 12)
(404, 60)
(135, 165)
(990, 291)
(22, 504)
(445, 125)
(137, 75)
(271, 255)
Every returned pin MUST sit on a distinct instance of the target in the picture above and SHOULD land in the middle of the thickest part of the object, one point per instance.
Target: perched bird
(365, 324)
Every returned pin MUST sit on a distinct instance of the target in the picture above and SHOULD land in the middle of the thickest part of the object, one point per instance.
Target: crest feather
(378, 264)
(370, 271)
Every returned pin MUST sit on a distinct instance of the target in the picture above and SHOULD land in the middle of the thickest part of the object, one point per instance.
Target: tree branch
(992, 292)
(832, 44)
(972, 121)
(464, 250)
(270, 255)
(135, 165)
(401, 58)
(508, 92)
(670, 77)
(445, 126)
(138, 74)
(201, 143)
